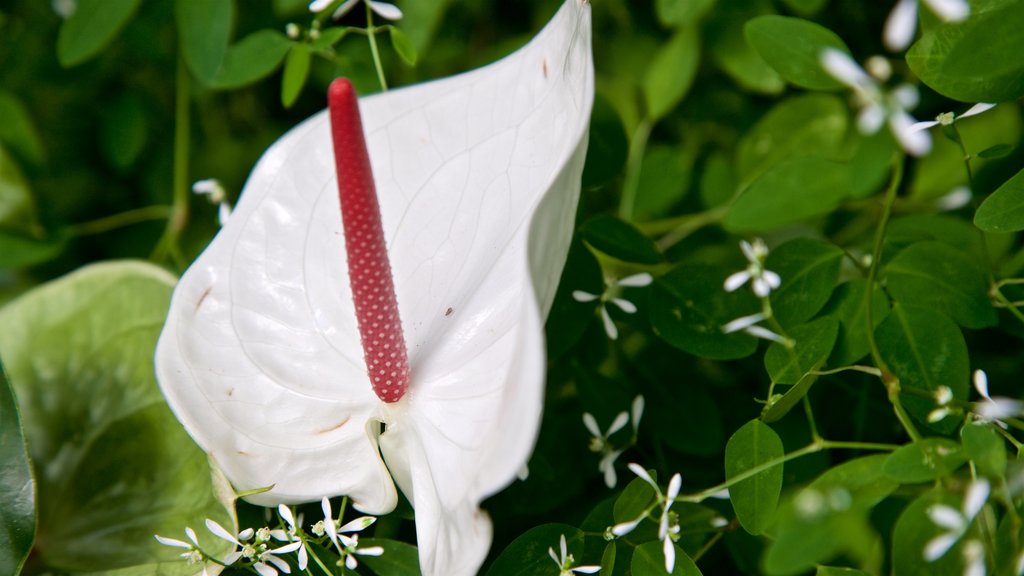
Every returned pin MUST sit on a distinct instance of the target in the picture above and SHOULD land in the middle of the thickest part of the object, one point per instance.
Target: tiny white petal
(950, 10)
(219, 531)
(172, 542)
(223, 213)
(279, 564)
(621, 419)
(722, 494)
(264, 570)
(551, 552)
(974, 556)
(923, 125)
(742, 322)
(748, 251)
(345, 8)
(591, 424)
(286, 514)
(761, 288)
(946, 517)
(626, 527)
(736, 280)
(915, 143)
(773, 279)
(191, 535)
(563, 548)
(981, 383)
(719, 522)
(900, 26)
(937, 415)
(998, 408)
(956, 199)
(840, 66)
(637, 411)
(319, 5)
(358, 524)
(766, 334)
(938, 546)
(977, 495)
(607, 465)
(636, 280)
(639, 471)
(673, 487)
(870, 119)
(609, 325)
(670, 555)
(586, 569)
(385, 10)
(977, 109)
(287, 548)
(907, 96)
(1020, 564)
(581, 296)
(371, 551)
(303, 558)
(279, 535)
(350, 562)
(232, 557)
(246, 534)
(624, 305)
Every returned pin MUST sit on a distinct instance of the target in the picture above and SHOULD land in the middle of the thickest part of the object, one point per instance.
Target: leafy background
(714, 122)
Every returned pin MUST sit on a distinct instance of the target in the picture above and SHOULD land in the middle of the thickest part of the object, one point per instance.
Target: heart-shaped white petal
(478, 178)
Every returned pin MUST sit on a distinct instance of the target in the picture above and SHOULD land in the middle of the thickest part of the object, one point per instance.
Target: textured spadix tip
(369, 271)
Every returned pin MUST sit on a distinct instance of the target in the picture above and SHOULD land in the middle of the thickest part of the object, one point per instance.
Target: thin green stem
(683, 226)
(115, 221)
(1006, 303)
(707, 546)
(169, 247)
(853, 368)
(371, 34)
(634, 163)
(319, 562)
(815, 436)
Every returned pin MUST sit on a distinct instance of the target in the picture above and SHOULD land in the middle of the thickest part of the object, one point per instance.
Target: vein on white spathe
(478, 178)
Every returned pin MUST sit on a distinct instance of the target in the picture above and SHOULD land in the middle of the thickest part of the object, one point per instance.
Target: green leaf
(938, 276)
(925, 350)
(94, 25)
(676, 13)
(814, 342)
(17, 251)
(671, 73)
(18, 131)
(849, 305)
(204, 30)
(620, 239)
(398, 559)
(664, 180)
(421, 20)
(862, 478)
(974, 60)
(689, 306)
(250, 59)
(296, 70)
(996, 151)
(607, 147)
(124, 130)
(913, 531)
(717, 181)
(528, 554)
(649, 558)
(790, 192)
(569, 318)
(403, 46)
(1003, 210)
(924, 461)
(115, 469)
(985, 447)
(17, 486)
(756, 498)
(809, 270)
(793, 47)
(328, 38)
(693, 427)
(634, 499)
(17, 207)
(733, 53)
(777, 407)
(805, 8)
(802, 125)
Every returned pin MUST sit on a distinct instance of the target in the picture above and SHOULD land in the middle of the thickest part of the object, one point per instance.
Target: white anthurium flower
(611, 295)
(566, 561)
(478, 179)
(956, 522)
(993, 409)
(902, 22)
(385, 10)
(878, 106)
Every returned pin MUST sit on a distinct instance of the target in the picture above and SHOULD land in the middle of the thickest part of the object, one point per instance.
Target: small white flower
(292, 535)
(637, 412)
(565, 563)
(877, 105)
(267, 563)
(902, 21)
(347, 546)
(974, 558)
(192, 553)
(64, 8)
(668, 522)
(993, 409)
(611, 294)
(212, 189)
(385, 10)
(955, 199)
(599, 443)
(748, 324)
(293, 31)
(762, 280)
(948, 118)
(943, 396)
(956, 522)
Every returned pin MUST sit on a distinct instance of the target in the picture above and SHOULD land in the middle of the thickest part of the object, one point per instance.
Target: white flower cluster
(762, 282)
(600, 444)
(611, 294)
(565, 563)
(668, 522)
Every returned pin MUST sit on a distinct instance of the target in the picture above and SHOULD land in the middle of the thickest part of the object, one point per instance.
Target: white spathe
(478, 177)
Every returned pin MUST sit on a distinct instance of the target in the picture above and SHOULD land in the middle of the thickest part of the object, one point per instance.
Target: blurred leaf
(17, 251)
(924, 461)
(793, 191)
(296, 70)
(733, 53)
(996, 151)
(925, 350)
(608, 146)
(689, 306)
(913, 531)
(124, 130)
(671, 73)
(838, 571)
(955, 232)
(608, 557)
(803, 125)
(717, 181)
(328, 38)
(809, 270)
(17, 207)
(398, 559)
(634, 499)
(871, 161)
(649, 558)
(793, 47)
(252, 58)
(421, 19)
(814, 342)
(692, 427)
(117, 468)
(974, 60)
(779, 407)
(528, 555)
(91, 27)
(403, 46)
(985, 447)
(849, 305)
(17, 131)
(569, 318)
(17, 486)
(1003, 210)
(204, 30)
(756, 498)
(805, 8)
(664, 179)
(677, 13)
(619, 239)
(943, 278)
